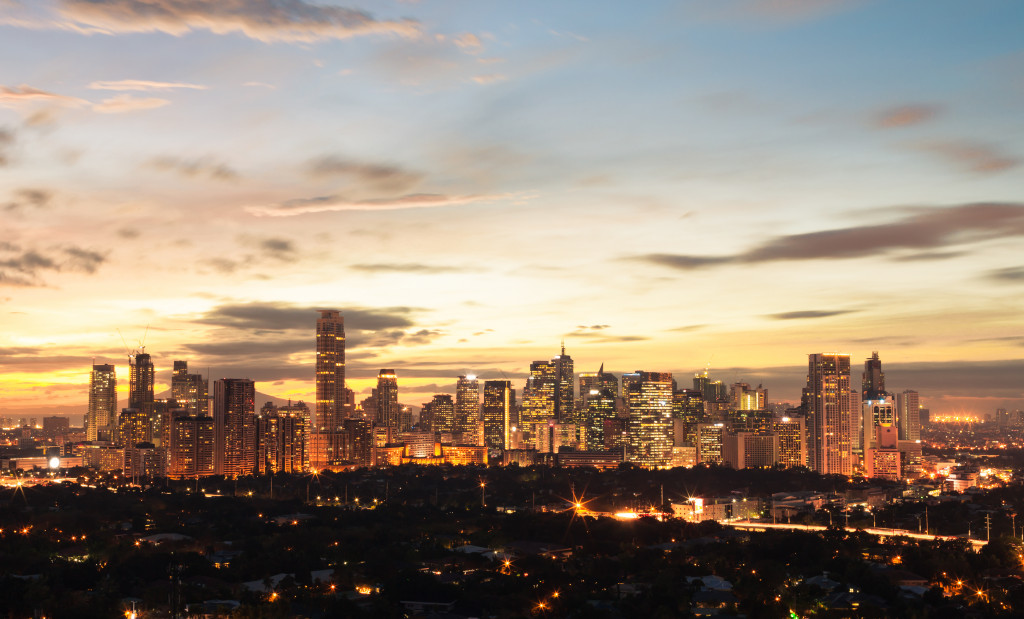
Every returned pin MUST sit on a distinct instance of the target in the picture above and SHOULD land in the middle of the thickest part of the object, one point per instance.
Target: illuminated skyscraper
(191, 392)
(467, 403)
(190, 446)
(876, 413)
(102, 412)
(499, 399)
(649, 400)
(281, 441)
(234, 417)
(792, 441)
(596, 381)
(828, 402)
(872, 380)
(908, 407)
(388, 411)
(564, 388)
(538, 397)
(440, 412)
(600, 406)
(141, 377)
(331, 395)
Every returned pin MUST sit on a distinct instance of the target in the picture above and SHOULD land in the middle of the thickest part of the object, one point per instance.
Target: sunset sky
(666, 186)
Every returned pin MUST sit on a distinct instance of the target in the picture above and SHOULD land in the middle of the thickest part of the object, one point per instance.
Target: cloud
(23, 267)
(203, 166)
(279, 249)
(26, 199)
(469, 43)
(801, 314)
(127, 103)
(263, 20)
(1009, 274)
(918, 229)
(408, 267)
(128, 233)
(143, 85)
(490, 78)
(905, 116)
(380, 176)
(6, 142)
(277, 316)
(28, 94)
(687, 328)
(972, 156)
(325, 204)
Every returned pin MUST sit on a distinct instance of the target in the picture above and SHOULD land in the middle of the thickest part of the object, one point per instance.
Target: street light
(483, 493)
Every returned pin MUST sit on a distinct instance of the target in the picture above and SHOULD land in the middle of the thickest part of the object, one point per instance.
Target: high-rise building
(649, 400)
(191, 392)
(751, 450)
(828, 402)
(388, 410)
(744, 398)
(281, 441)
(234, 416)
(499, 400)
(538, 397)
(467, 403)
(141, 378)
(102, 412)
(331, 395)
(600, 407)
(564, 388)
(596, 381)
(134, 426)
(191, 446)
(792, 441)
(908, 407)
(440, 413)
(710, 443)
(875, 413)
(873, 380)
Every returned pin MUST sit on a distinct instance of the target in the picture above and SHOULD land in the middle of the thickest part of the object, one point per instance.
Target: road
(746, 525)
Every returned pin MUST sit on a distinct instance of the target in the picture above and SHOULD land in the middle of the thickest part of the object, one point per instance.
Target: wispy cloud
(490, 78)
(325, 204)
(972, 156)
(918, 229)
(381, 176)
(21, 266)
(143, 85)
(28, 199)
(127, 103)
(1010, 274)
(803, 314)
(263, 20)
(202, 166)
(29, 94)
(905, 116)
(408, 267)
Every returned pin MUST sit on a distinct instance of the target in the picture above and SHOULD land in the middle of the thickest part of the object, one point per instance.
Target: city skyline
(663, 187)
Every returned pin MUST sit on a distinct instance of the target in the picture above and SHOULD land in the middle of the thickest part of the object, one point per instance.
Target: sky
(665, 186)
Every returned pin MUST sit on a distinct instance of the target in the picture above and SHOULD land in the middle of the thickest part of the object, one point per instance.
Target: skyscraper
(564, 388)
(828, 403)
(649, 399)
(234, 418)
(872, 380)
(467, 403)
(908, 413)
(102, 412)
(387, 413)
(499, 399)
(330, 381)
(141, 377)
(538, 397)
(191, 392)
(440, 412)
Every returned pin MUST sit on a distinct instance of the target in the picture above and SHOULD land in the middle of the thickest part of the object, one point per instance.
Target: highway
(747, 525)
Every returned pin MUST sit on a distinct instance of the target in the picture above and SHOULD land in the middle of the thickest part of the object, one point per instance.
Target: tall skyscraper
(440, 412)
(564, 388)
(872, 380)
(191, 392)
(828, 402)
(649, 400)
(387, 400)
(792, 441)
(141, 377)
(499, 399)
(467, 403)
(538, 397)
(596, 381)
(190, 446)
(234, 417)
(330, 381)
(875, 413)
(908, 407)
(102, 412)
(600, 407)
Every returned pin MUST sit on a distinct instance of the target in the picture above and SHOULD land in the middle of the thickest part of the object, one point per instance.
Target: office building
(467, 404)
(101, 415)
(191, 392)
(872, 380)
(388, 411)
(331, 396)
(828, 401)
(751, 450)
(438, 415)
(281, 441)
(499, 400)
(908, 415)
(234, 416)
(792, 441)
(190, 449)
(649, 433)
(710, 443)
(141, 378)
